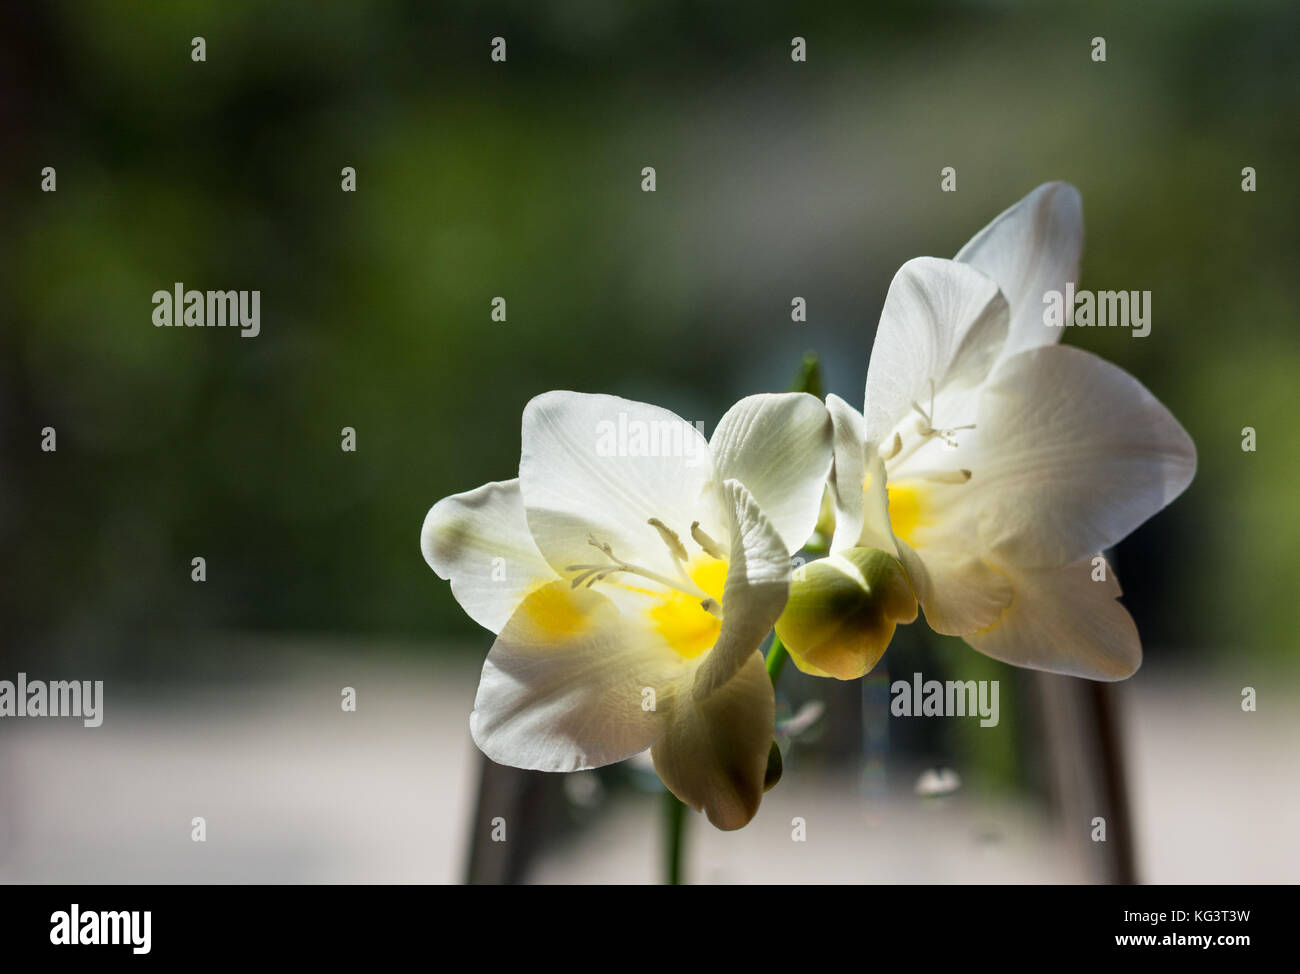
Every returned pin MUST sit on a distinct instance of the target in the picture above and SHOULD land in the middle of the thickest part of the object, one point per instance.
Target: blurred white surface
(293, 789)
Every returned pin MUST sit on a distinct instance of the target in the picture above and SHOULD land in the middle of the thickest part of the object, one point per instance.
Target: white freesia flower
(630, 593)
(997, 464)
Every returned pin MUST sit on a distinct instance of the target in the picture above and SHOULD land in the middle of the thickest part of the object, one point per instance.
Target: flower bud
(843, 611)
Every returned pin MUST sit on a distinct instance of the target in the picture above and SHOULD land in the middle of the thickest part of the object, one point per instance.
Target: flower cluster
(630, 589)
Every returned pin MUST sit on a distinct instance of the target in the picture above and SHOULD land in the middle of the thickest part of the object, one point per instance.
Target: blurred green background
(522, 180)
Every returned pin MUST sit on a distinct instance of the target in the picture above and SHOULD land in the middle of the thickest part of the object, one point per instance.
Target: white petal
(714, 754)
(480, 541)
(1030, 249)
(941, 329)
(959, 590)
(1063, 621)
(563, 688)
(857, 484)
(779, 447)
(758, 584)
(1072, 454)
(601, 466)
(848, 472)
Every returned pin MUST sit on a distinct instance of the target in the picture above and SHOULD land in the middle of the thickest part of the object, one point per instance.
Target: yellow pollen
(687, 626)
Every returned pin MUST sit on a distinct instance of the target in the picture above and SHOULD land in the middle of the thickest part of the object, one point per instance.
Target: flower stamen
(926, 429)
(711, 547)
(670, 538)
(941, 476)
(591, 574)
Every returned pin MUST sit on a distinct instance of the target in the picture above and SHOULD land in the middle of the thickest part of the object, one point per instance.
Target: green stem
(776, 657)
(674, 831)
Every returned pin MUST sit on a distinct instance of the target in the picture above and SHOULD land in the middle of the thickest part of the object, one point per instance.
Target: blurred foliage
(522, 179)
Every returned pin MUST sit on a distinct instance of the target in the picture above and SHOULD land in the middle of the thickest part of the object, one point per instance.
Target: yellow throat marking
(679, 617)
(906, 507)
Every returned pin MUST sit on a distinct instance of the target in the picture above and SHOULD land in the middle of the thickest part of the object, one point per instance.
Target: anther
(946, 476)
(710, 546)
(670, 538)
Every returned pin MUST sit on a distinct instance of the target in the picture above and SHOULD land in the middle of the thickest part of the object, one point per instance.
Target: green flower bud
(843, 611)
